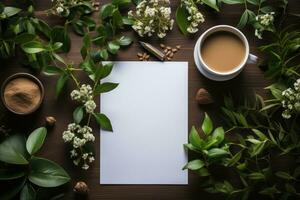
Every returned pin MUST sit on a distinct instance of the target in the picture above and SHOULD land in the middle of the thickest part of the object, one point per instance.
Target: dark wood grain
(249, 81)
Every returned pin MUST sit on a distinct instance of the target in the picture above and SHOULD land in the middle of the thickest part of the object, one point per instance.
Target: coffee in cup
(221, 52)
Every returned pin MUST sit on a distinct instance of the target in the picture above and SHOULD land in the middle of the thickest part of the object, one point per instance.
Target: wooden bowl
(30, 77)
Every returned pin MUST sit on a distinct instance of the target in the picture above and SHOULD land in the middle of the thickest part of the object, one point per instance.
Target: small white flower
(89, 137)
(85, 156)
(85, 166)
(73, 153)
(90, 106)
(195, 16)
(78, 136)
(59, 10)
(91, 159)
(68, 136)
(152, 17)
(258, 34)
(291, 100)
(76, 162)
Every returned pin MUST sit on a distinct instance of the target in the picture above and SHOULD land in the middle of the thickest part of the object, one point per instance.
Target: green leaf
(256, 176)
(233, 1)
(240, 118)
(260, 134)
(244, 19)
(210, 142)
(127, 21)
(89, 22)
(44, 28)
(124, 41)
(60, 84)
(113, 47)
(104, 54)
(83, 52)
(232, 161)
(257, 147)
(56, 46)
(53, 70)
(254, 2)
(60, 34)
(194, 165)
(207, 125)
(13, 150)
(107, 10)
(106, 87)
(269, 106)
(24, 38)
(211, 3)
(224, 187)
(270, 191)
(11, 11)
(117, 19)
(105, 70)
(121, 3)
(203, 172)
(28, 193)
(11, 174)
(182, 19)
(216, 153)
(276, 90)
(103, 121)
(190, 147)
(267, 9)
(78, 114)
(33, 47)
(59, 58)
(87, 40)
(284, 175)
(46, 173)
(195, 139)
(78, 27)
(36, 140)
(219, 135)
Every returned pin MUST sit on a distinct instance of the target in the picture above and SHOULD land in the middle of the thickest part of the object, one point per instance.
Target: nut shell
(203, 97)
(81, 188)
(50, 121)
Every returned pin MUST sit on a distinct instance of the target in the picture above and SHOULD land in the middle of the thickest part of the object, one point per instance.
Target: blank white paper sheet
(149, 114)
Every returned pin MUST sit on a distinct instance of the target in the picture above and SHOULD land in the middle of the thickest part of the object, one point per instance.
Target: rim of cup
(232, 30)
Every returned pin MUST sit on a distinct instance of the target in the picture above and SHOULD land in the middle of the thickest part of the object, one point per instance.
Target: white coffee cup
(213, 74)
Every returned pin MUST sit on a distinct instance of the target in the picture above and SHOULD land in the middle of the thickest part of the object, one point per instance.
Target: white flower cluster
(265, 23)
(62, 7)
(291, 100)
(79, 137)
(152, 17)
(84, 95)
(195, 16)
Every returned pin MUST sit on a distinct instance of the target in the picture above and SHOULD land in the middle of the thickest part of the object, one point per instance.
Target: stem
(69, 71)
(253, 127)
(259, 6)
(245, 2)
(89, 119)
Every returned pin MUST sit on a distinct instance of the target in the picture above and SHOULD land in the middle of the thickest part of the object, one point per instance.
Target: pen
(154, 51)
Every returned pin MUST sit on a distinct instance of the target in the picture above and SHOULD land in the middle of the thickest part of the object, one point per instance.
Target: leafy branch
(25, 169)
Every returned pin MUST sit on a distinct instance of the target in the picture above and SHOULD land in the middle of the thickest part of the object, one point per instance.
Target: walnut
(203, 97)
(50, 121)
(81, 188)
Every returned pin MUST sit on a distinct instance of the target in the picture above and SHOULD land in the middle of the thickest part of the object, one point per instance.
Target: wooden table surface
(249, 81)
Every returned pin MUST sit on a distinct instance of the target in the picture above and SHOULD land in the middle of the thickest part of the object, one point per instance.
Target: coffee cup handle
(252, 59)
